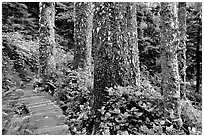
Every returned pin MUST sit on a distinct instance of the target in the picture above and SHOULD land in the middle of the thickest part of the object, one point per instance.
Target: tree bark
(127, 41)
(198, 79)
(132, 38)
(116, 59)
(182, 46)
(46, 40)
(103, 66)
(88, 57)
(198, 58)
(169, 64)
(83, 27)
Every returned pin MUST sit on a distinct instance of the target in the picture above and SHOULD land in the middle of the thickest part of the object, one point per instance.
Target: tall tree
(127, 39)
(198, 6)
(103, 67)
(46, 40)
(116, 60)
(169, 65)
(132, 39)
(182, 46)
(83, 26)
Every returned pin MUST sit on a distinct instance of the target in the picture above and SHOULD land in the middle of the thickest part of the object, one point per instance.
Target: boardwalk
(45, 117)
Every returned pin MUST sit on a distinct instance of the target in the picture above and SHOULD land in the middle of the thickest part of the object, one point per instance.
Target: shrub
(73, 94)
(130, 111)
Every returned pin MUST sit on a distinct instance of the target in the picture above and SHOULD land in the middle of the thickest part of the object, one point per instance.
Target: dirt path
(45, 117)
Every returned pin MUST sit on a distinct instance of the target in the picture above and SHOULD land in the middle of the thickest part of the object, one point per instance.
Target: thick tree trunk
(116, 60)
(170, 74)
(182, 46)
(46, 40)
(83, 27)
(103, 42)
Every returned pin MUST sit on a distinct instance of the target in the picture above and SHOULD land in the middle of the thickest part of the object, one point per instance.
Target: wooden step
(42, 107)
(54, 109)
(48, 112)
(39, 103)
(55, 130)
(32, 100)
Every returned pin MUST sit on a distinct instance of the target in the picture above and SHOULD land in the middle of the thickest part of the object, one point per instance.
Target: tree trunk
(46, 40)
(127, 41)
(198, 58)
(116, 60)
(83, 27)
(182, 47)
(133, 67)
(103, 66)
(169, 64)
(88, 54)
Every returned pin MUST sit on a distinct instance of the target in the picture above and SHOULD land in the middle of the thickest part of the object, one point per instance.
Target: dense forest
(114, 68)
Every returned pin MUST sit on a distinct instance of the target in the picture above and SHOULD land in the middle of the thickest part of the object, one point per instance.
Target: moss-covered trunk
(170, 73)
(46, 40)
(103, 61)
(126, 38)
(182, 46)
(83, 26)
(198, 55)
(116, 60)
(132, 58)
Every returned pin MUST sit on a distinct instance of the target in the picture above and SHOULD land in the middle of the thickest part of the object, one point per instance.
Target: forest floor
(26, 112)
(33, 113)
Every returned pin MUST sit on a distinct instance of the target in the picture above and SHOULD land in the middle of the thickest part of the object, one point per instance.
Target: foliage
(19, 29)
(73, 95)
(17, 17)
(194, 36)
(21, 53)
(192, 117)
(127, 111)
(130, 111)
(7, 74)
(149, 36)
(19, 59)
(138, 111)
(64, 22)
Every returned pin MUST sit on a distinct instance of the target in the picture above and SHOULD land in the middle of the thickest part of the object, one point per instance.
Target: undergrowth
(128, 111)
